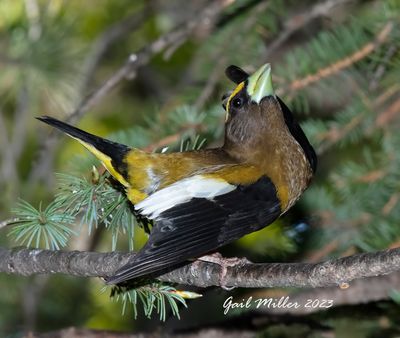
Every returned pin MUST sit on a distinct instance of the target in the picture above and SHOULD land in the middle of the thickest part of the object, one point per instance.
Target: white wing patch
(182, 191)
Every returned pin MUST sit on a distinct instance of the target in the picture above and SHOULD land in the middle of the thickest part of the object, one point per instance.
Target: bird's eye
(237, 102)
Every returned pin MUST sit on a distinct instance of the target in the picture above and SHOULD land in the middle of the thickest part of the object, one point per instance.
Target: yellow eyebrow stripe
(238, 88)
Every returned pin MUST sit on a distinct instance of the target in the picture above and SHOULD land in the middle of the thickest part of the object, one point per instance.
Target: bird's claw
(224, 263)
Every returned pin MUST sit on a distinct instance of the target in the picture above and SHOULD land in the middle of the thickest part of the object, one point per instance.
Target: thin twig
(300, 20)
(335, 134)
(211, 82)
(166, 141)
(220, 57)
(28, 262)
(338, 66)
(388, 114)
(170, 139)
(107, 39)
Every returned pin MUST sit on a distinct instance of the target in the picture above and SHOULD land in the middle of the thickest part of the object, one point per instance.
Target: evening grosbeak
(200, 200)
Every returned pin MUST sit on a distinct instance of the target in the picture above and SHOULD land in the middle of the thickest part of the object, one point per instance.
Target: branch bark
(88, 333)
(203, 274)
(362, 291)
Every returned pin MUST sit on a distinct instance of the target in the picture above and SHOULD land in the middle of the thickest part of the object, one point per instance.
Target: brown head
(257, 121)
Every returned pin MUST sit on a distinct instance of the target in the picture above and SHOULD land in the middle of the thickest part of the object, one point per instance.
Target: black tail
(115, 151)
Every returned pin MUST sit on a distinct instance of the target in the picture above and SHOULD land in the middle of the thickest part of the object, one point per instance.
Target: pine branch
(338, 66)
(300, 20)
(108, 38)
(388, 115)
(336, 134)
(339, 271)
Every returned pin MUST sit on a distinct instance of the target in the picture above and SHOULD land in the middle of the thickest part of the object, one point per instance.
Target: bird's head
(256, 118)
(252, 109)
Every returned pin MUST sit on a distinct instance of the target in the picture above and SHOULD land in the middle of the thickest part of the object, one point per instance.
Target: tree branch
(300, 20)
(362, 291)
(344, 63)
(89, 333)
(107, 39)
(203, 274)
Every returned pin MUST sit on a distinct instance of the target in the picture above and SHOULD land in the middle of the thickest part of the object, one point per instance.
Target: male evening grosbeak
(203, 199)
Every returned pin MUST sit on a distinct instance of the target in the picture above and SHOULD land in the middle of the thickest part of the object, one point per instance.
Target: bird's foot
(224, 263)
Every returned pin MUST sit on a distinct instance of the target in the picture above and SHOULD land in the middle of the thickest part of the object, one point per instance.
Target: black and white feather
(195, 216)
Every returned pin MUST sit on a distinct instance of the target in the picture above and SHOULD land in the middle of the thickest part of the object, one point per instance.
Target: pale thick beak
(260, 84)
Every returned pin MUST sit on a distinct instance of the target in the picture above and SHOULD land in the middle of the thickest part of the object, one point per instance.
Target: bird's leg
(224, 263)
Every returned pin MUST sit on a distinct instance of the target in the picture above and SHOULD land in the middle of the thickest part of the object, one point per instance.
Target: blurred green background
(336, 63)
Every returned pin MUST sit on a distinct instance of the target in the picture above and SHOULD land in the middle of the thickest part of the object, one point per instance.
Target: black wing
(299, 135)
(201, 225)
